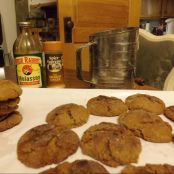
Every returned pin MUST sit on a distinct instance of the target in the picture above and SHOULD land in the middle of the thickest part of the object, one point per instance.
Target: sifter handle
(79, 61)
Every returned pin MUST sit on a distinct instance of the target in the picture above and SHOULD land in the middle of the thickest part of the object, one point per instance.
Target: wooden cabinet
(156, 9)
(90, 16)
(151, 8)
(167, 10)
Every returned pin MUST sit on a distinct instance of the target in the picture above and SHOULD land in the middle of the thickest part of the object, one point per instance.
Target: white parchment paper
(36, 103)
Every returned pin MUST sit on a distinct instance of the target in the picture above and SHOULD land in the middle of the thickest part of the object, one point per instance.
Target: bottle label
(29, 70)
(54, 69)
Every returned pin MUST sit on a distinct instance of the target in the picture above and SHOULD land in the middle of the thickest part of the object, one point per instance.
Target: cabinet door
(151, 9)
(90, 16)
(168, 8)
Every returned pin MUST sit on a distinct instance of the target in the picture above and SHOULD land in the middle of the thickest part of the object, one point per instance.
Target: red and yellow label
(28, 59)
(29, 71)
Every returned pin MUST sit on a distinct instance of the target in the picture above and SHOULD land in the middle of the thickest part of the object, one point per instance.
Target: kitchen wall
(34, 2)
(22, 9)
(7, 10)
(42, 14)
(154, 13)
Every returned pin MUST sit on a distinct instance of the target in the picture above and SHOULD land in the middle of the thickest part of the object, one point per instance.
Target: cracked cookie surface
(106, 106)
(68, 116)
(78, 167)
(147, 125)
(146, 102)
(111, 144)
(149, 169)
(46, 144)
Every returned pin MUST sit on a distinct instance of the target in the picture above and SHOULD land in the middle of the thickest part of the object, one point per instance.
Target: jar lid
(52, 46)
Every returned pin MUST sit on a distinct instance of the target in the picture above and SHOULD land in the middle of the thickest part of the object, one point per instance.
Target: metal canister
(112, 56)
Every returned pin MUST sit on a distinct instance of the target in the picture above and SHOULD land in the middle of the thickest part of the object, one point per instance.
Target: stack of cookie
(9, 99)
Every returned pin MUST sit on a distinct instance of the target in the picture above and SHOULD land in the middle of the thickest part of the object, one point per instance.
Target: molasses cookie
(4, 111)
(149, 169)
(111, 144)
(11, 103)
(9, 121)
(106, 106)
(9, 97)
(145, 102)
(9, 90)
(169, 112)
(46, 144)
(8, 106)
(147, 125)
(68, 116)
(78, 167)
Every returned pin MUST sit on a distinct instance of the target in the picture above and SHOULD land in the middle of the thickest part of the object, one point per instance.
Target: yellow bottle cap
(52, 46)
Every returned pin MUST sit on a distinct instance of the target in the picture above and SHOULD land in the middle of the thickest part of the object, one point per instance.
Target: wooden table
(71, 81)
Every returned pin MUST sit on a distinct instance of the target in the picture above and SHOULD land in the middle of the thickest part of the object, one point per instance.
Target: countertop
(71, 81)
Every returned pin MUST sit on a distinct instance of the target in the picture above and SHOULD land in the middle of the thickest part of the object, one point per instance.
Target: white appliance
(169, 82)
(9, 31)
(170, 26)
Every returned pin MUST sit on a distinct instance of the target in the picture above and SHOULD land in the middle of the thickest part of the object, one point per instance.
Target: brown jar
(53, 64)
